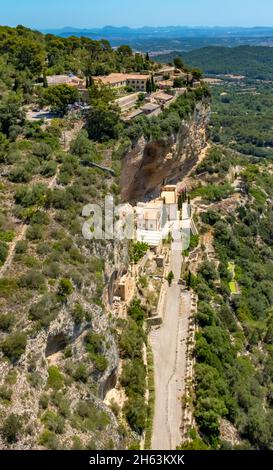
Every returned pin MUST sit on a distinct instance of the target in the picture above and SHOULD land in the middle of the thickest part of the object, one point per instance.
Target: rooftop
(137, 76)
(150, 107)
(162, 96)
(132, 115)
(112, 78)
(63, 79)
(167, 69)
(168, 83)
(120, 77)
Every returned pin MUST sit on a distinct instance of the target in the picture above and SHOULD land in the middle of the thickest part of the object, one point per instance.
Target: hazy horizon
(156, 13)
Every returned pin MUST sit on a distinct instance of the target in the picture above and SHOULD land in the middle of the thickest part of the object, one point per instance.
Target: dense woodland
(255, 62)
(233, 346)
(242, 117)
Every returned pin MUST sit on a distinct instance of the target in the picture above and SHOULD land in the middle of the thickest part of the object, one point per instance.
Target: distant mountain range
(166, 31)
(169, 38)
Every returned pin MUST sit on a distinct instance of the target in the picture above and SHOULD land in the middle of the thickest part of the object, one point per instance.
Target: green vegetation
(252, 61)
(7, 321)
(233, 348)
(49, 440)
(134, 371)
(3, 252)
(213, 192)
(88, 417)
(151, 403)
(55, 379)
(194, 242)
(11, 428)
(14, 345)
(138, 251)
(169, 121)
(65, 288)
(94, 345)
(242, 119)
(103, 121)
(5, 394)
(59, 97)
(53, 422)
(170, 278)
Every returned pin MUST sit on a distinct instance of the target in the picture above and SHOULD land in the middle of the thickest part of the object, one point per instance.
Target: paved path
(169, 349)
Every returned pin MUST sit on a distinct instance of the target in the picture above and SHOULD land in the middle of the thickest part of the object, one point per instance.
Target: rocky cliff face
(148, 165)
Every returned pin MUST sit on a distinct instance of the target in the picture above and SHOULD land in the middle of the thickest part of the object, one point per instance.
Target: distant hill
(254, 62)
(171, 38)
(169, 31)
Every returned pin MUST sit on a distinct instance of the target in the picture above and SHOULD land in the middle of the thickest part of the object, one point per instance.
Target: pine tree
(180, 201)
(148, 86)
(153, 86)
(45, 84)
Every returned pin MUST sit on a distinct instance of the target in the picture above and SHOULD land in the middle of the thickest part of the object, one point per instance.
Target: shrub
(14, 345)
(77, 443)
(94, 343)
(20, 174)
(32, 280)
(40, 218)
(81, 373)
(62, 404)
(100, 362)
(49, 440)
(55, 378)
(170, 278)
(43, 401)
(138, 250)
(49, 169)
(53, 422)
(136, 312)
(52, 270)
(3, 252)
(94, 346)
(61, 199)
(45, 310)
(78, 314)
(82, 146)
(43, 248)
(35, 195)
(131, 340)
(65, 288)
(12, 427)
(42, 150)
(35, 232)
(135, 411)
(93, 419)
(7, 321)
(21, 247)
(7, 236)
(5, 393)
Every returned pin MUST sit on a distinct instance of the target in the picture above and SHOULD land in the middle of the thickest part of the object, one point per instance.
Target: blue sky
(91, 13)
